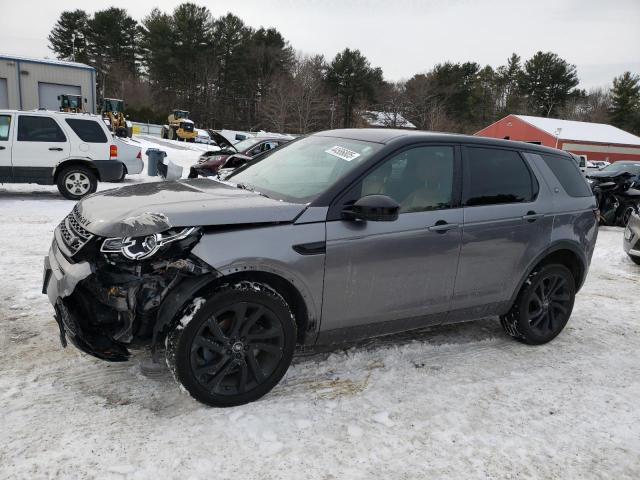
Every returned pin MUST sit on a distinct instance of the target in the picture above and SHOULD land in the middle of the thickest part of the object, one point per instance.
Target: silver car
(631, 240)
(337, 236)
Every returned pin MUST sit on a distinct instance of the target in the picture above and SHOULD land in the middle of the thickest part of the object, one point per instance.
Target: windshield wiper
(244, 186)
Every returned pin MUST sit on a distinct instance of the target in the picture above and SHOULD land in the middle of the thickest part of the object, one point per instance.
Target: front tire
(543, 306)
(76, 181)
(236, 347)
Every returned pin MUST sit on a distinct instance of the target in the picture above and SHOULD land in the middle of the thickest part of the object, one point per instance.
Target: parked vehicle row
(339, 235)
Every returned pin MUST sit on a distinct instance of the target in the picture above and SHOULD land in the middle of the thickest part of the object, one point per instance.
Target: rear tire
(635, 260)
(76, 181)
(543, 306)
(236, 347)
(122, 177)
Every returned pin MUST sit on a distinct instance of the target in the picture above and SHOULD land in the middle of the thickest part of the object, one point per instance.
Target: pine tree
(354, 81)
(112, 44)
(625, 102)
(68, 38)
(547, 80)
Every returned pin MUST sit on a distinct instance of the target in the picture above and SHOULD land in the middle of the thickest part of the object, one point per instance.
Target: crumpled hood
(147, 208)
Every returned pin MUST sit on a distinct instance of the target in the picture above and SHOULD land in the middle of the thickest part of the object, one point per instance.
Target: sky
(403, 37)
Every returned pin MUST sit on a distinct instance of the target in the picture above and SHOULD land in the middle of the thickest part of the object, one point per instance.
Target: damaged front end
(109, 293)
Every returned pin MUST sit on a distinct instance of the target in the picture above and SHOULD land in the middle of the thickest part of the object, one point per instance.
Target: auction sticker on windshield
(343, 153)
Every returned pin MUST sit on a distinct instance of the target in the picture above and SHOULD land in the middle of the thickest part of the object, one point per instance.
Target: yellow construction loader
(113, 115)
(71, 103)
(179, 127)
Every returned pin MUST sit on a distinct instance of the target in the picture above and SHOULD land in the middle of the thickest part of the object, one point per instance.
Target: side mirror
(375, 208)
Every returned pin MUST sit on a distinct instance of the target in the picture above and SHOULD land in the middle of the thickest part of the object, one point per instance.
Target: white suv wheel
(77, 183)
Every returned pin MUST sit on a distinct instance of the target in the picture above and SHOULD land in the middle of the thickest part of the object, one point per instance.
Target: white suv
(72, 150)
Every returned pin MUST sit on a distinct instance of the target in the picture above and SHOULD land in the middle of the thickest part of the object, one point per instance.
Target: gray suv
(337, 236)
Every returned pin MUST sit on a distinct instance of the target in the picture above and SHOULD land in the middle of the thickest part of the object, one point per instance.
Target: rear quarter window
(87, 130)
(568, 174)
(495, 176)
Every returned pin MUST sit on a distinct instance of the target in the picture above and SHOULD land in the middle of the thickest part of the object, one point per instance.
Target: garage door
(4, 95)
(48, 94)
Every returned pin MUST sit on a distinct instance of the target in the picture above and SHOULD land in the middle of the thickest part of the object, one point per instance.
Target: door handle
(442, 227)
(532, 216)
(2, 148)
(55, 149)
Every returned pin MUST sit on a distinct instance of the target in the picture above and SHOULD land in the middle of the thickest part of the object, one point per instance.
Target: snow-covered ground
(461, 401)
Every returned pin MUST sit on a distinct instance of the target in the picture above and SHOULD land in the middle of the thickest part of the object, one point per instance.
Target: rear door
(40, 145)
(402, 270)
(6, 132)
(504, 227)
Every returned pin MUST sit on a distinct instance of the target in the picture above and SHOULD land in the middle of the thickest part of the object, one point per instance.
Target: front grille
(73, 234)
(187, 127)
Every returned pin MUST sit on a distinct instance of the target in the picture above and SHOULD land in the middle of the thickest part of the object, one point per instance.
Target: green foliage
(625, 102)
(230, 75)
(68, 38)
(547, 80)
(353, 80)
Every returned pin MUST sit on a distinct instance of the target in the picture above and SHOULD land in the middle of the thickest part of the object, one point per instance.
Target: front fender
(269, 249)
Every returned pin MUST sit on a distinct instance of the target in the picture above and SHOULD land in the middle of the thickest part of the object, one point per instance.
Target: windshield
(304, 169)
(246, 144)
(71, 101)
(113, 105)
(622, 167)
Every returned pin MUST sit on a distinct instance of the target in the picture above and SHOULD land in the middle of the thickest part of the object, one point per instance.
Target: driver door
(391, 276)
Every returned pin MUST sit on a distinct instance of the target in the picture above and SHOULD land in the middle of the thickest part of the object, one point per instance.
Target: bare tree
(308, 96)
(276, 108)
(426, 104)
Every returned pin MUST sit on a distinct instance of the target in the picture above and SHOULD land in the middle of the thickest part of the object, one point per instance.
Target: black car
(621, 166)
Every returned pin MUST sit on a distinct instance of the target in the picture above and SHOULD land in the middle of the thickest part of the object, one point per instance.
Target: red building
(597, 141)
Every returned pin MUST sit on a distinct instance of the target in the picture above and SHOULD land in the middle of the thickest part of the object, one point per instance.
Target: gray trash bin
(154, 156)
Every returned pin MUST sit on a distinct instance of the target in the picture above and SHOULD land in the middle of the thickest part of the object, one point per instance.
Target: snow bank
(459, 401)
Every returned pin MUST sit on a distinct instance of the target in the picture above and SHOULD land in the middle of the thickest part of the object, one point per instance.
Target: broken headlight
(141, 248)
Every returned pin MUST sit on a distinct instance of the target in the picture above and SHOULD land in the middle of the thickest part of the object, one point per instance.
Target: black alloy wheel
(549, 303)
(543, 306)
(236, 348)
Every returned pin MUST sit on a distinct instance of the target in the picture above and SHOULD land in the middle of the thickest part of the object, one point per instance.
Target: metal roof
(581, 131)
(46, 61)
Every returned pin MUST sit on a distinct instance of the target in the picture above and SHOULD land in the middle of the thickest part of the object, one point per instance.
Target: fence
(147, 129)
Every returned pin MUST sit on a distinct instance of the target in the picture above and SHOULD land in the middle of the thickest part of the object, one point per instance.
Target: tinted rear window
(568, 175)
(493, 176)
(87, 130)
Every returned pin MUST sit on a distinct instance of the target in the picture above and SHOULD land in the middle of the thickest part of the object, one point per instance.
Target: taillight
(139, 155)
(113, 151)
